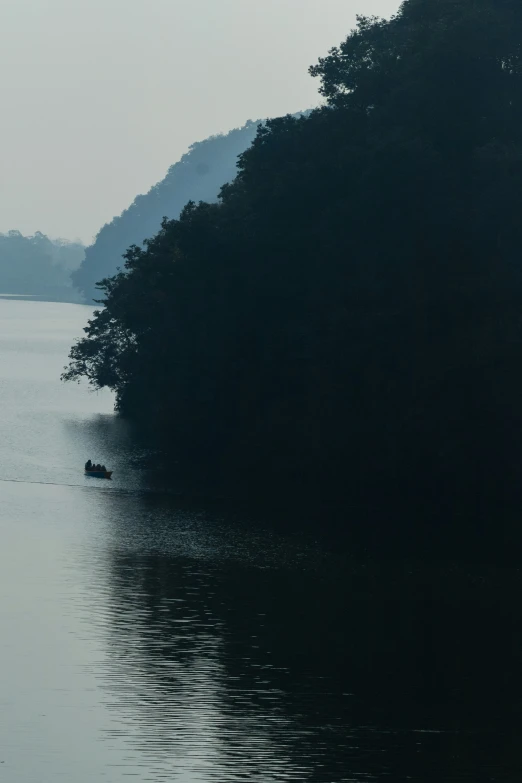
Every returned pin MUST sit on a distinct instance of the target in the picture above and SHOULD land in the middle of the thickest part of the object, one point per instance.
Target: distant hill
(38, 266)
(198, 176)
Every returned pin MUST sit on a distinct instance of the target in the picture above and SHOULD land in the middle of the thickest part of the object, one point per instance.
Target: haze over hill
(39, 266)
(198, 176)
(100, 97)
(68, 271)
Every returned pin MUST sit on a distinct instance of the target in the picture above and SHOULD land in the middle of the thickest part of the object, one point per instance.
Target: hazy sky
(99, 97)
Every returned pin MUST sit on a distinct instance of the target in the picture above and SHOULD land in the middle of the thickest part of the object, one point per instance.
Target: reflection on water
(169, 671)
(237, 655)
(143, 639)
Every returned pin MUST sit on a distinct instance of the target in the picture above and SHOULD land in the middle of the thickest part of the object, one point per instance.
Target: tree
(349, 310)
(198, 175)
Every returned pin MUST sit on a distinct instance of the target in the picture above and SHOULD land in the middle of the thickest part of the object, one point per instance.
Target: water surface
(140, 639)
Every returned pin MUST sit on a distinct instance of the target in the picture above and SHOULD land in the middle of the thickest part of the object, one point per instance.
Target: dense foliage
(199, 176)
(37, 265)
(347, 319)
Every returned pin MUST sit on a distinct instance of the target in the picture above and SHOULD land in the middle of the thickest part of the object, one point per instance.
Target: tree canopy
(346, 319)
(199, 175)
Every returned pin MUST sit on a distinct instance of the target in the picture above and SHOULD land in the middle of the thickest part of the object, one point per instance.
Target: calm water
(142, 640)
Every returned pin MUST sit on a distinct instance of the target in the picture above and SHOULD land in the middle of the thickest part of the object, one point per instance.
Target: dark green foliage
(347, 319)
(37, 265)
(198, 176)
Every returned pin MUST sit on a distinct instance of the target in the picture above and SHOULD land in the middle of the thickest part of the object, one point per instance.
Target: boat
(105, 474)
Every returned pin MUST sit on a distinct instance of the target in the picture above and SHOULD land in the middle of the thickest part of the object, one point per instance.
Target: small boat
(106, 474)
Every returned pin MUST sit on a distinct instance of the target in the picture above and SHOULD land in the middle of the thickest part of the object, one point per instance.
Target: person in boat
(88, 465)
(103, 469)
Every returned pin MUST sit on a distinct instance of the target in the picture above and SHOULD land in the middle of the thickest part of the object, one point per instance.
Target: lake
(146, 640)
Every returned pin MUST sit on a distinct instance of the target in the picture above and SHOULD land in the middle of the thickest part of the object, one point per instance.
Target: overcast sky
(99, 97)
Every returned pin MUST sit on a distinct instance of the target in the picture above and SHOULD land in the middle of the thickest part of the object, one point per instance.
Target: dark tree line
(346, 321)
(199, 175)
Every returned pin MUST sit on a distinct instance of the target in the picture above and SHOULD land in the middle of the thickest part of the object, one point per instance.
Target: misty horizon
(81, 141)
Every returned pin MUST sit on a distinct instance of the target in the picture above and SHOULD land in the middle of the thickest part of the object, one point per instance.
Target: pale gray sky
(99, 97)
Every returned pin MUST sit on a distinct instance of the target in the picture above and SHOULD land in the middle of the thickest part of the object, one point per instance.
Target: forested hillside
(345, 324)
(38, 266)
(198, 176)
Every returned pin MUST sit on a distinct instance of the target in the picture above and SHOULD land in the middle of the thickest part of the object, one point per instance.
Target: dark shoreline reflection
(233, 655)
(167, 669)
(146, 638)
